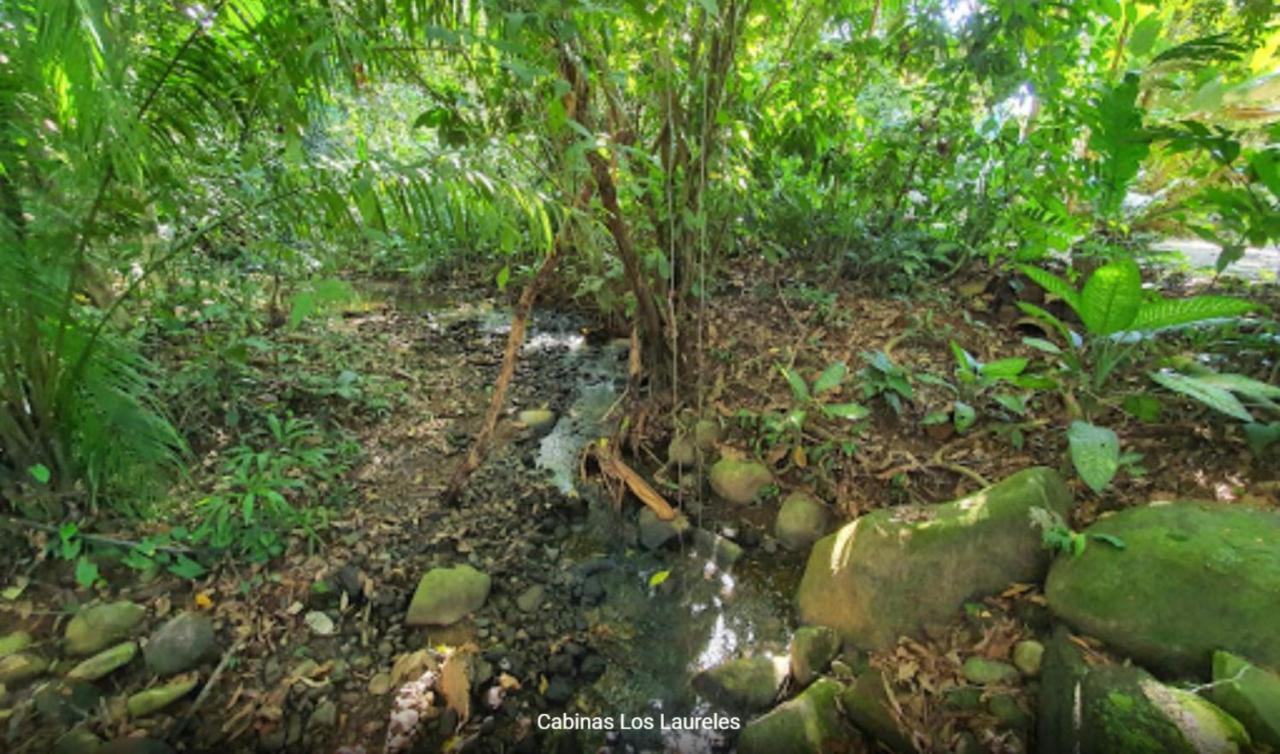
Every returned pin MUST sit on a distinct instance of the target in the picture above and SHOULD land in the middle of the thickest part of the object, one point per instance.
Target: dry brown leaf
(455, 684)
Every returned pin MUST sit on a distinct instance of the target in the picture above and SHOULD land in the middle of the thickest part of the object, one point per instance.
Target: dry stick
(208, 686)
(515, 339)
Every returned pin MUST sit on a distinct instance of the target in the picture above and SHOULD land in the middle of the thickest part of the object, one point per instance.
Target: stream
(658, 616)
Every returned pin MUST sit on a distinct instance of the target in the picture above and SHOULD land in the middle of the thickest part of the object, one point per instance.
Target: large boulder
(446, 595)
(744, 684)
(808, 724)
(96, 628)
(180, 644)
(739, 481)
(812, 650)
(1113, 708)
(801, 521)
(1250, 694)
(1190, 578)
(891, 572)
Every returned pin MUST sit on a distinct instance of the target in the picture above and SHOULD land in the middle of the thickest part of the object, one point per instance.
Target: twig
(208, 686)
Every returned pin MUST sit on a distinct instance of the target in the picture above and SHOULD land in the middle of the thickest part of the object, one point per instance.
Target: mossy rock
(105, 662)
(1191, 579)
(155, 699)
(739, 482)
(1062, 672)
(1250, 694)
(812, 650)
(801, 521)
(13, 643)
(706, 433)
(1124, 709)
(96, 628)
(446, 595)
(540, 421)
(180, 644)
(744, 684)
(808, 724)
(21, 667)
(896, 570)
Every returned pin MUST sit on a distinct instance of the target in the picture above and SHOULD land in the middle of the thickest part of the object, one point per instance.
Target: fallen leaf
(204, 601)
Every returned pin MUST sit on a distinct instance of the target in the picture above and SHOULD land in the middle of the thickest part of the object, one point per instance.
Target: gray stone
(67, 703)
(325, 715)
(812, 650)
(179, 644)
(532, 598)
(446, 595)
(811, 723)
(96, 628)
(682, 451)
(867, 703)
(739, 481)
(1191, 578)
(896, 570)
(1027, 656)
(654, 532)
(801, 521)
(745, 684)
(986, 672)
(1250, 694)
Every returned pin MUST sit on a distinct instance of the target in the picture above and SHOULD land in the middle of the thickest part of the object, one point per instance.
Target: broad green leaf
(1111, 297)
(1046, 318)
(964, 416)
(504, 275)
(40, 473)
(1095, 453)
(1110, 539)
(1261, 436)
(1052, 284)
(1004, 368)
(1040, 344)
(1215, 397)
(657, 578)
(799, 390)
(1144, 407)
(850, 411)
(86, 572)
(1016, 404)
(830, 378)
(934, 417)
(186, 568)
(1144, 35)
(1172, 312)
(1246, 386)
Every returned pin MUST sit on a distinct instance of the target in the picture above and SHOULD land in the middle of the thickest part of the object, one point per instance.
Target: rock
(20, 667)
(1027, 656)
(1124, 709)
(96, 628)
(136, 745)
(67, 703)
(722, 551)
(1191, 579)
(867, 703)
(706, 433)
(446, 595)
(380, 684)
(682, 451)
(801, 521)
(745, 684)
(539, 420)
(654, 532)
(179, 644)
(894, 570)
(1250, 694)
(13, 643)
(105, 662)
(986, 672)
(155, 699)
(1008, 712)
(320, 623)
(739, 481)
(559, 689)
(531, 599)
(812, 650)
(808, 724)
(78, 740)
(325, 715)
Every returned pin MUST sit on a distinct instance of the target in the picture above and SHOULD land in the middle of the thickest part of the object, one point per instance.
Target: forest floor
(555, 633)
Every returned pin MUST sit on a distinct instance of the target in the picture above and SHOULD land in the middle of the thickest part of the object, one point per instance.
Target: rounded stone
(801, 521)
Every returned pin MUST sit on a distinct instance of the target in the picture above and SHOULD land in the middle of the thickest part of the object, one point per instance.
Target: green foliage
(882, 377)
(275, 482)
(1095, 453)
(1219, 391)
